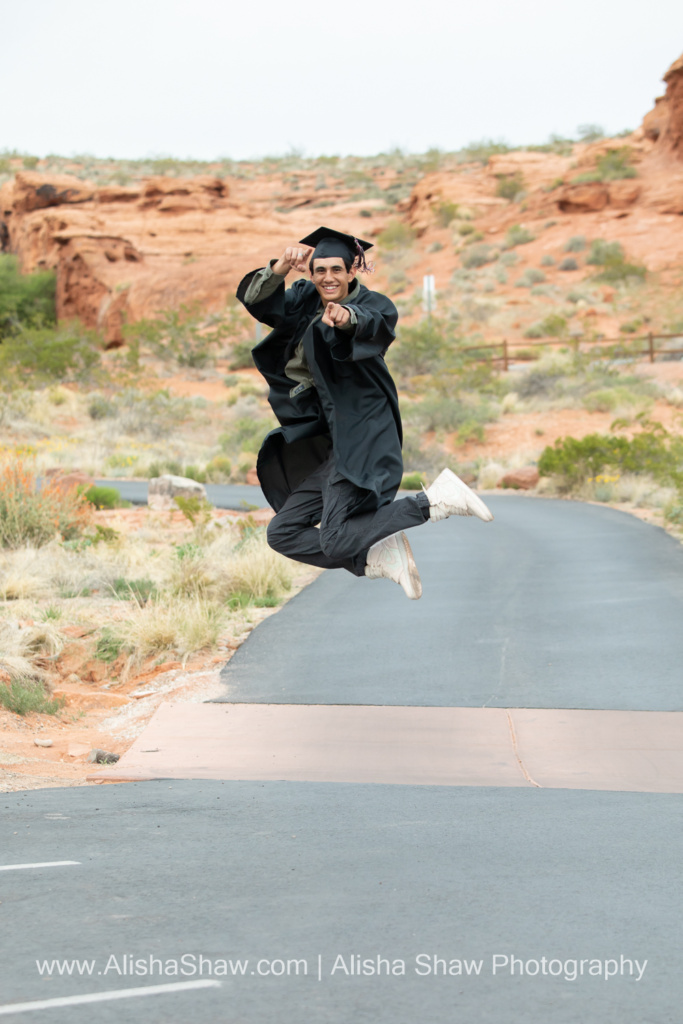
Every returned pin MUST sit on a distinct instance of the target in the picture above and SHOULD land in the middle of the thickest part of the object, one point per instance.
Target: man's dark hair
(348, 262)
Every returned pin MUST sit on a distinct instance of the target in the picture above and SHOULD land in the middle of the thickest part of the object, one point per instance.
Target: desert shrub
(517, 235)
(673, 512)
(510, 185)
(568, 263)
(631, 327)
(653, 451)
(108, 646)
(476, 236)
(611, 399)
(187, 335)
(105, 497)
(240, 356)
(481, 152)
(577, 243)
(396, 235)
(590, 132)
(195, 473)
(509, 259)
(618, 271)
(530, 277)
(412, 481)
(601, 252)
(398, 281)
(100, 408)
(479, 255)
(24, 695)
(451, 413)
(445, 213)
(547, 261)
(554, 325)
(218, 469)
(34, 515)
(258, 570)
(43, 354)
(466, 229)
(421, 348)
(245, 435)
(151, 414)
(25, 299)
(435, 247)
(611, 166)
(534, 331)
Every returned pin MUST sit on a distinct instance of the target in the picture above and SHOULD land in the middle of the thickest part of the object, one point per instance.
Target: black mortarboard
(328, 242)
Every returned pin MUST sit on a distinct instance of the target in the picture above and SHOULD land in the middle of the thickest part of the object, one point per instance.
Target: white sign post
(428, 294)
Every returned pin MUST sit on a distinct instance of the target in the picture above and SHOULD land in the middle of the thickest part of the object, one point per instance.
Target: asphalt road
(233, 496)
(578, 886)
(555, 604)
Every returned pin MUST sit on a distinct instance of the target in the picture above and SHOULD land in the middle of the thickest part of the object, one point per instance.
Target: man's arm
(360, 331)
(266, 282)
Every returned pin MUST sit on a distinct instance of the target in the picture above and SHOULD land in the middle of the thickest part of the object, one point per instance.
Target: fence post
(505, 355)
(651, 346)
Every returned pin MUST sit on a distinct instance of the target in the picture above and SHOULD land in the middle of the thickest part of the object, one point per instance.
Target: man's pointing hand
(336, 315)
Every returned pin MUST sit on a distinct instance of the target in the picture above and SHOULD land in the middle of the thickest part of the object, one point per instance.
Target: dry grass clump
(179, 626)
(32, 515)
(259, 571)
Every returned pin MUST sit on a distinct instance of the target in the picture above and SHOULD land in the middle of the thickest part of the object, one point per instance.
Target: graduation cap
(328, 242)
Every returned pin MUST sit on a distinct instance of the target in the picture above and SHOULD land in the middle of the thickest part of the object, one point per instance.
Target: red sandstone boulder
(521, 479)
(586, 197)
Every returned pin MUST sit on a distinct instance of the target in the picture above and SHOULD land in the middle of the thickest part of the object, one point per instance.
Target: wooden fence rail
(623, 346)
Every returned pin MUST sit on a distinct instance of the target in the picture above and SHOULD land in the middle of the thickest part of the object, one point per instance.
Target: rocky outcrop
(592, 196)
(122, 253)
(664, 124)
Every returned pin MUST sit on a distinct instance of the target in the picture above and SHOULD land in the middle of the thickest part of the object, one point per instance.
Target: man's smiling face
(331, 278)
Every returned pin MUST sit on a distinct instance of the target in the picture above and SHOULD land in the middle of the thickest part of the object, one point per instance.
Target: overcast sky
(210, 78)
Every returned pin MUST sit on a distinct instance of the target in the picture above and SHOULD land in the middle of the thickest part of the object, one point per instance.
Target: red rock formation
(123, 253)
(664, 123)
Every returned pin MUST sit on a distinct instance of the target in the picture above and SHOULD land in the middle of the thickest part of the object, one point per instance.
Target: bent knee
(277, 534)
(336, 545)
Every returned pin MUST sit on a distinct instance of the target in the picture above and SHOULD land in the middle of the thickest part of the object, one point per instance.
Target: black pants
(345, 535)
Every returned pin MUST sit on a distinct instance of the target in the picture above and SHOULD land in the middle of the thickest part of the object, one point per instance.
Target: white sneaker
(392, 559)
(449, 496)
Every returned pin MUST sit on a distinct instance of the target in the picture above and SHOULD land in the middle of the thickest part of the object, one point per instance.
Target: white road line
(46, 864)
(101, 997)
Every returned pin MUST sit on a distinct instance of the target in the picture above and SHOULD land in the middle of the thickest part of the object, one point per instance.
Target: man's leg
(293, 530)
(346, 536)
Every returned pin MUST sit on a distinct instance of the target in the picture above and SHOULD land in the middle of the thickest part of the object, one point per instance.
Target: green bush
(245, 435)
(611, 166)
(105, 497)
(481, 152)
(26, 300)
(109, 646)
(43, 354)
(100, 408)
(479, 255)
(547, 261)
(466, 229)
(421, 348)
(602, 252)
(510, 185)
(577, 243)
(240, 356)
(412, 481)
(396, 235)
(530, 277)
(24, 695)
(218, 469)
(653, 451)
(568, 263)
(517, 235)
(617, 271)
(195, 473)
(445, 213)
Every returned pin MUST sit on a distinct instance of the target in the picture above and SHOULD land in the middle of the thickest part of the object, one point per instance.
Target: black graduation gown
(353, 407)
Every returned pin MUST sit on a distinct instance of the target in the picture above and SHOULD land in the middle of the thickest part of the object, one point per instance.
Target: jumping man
(335, 460)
